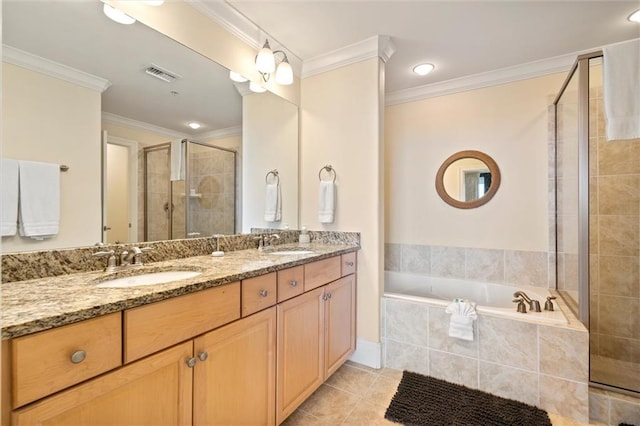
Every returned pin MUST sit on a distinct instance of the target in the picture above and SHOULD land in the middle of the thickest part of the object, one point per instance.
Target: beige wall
(340, 125)
(509, 123)
(50, 120)
(269, 141)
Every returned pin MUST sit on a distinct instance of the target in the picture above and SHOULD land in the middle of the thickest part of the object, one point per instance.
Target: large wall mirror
(141, 91)
(468, 179)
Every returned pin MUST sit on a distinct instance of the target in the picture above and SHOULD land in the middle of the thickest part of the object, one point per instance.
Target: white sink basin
(291, 252)
(151, 278)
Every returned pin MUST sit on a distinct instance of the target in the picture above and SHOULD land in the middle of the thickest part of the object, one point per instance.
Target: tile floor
(359, 395)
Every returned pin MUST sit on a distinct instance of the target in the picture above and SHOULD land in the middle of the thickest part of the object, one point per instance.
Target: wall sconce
(266, 64)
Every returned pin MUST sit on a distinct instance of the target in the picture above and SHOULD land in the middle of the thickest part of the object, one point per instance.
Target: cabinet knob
(349, 263)
(328, 295)
(78, 356)
(191, 362)
(293, 283)
(264, 293)
(202, 356)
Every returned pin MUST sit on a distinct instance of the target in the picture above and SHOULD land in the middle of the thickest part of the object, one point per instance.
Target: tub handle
(548, 305)
(522, 308)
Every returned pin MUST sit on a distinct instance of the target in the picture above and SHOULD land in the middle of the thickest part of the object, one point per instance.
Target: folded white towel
(39, 199)
(622, 90)
(177, 160)
(9, 206)
(273, 203)
(326, 202)
(463, 314)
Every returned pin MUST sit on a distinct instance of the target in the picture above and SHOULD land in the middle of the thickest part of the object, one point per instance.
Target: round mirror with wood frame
(488, 176)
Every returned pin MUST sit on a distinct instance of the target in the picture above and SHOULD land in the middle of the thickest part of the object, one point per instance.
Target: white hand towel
(39, 199)
(9, 207)
(622, 90)
(463, 314)
(326, 202)
(273, 203)
(177, 160)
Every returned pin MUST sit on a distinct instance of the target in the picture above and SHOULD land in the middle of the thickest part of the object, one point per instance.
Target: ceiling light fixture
(423, 69)
(256, 87)
(635, 16)
(266, 65)
(117, 15)
(153, 2)
(194, 125)
(237, 77)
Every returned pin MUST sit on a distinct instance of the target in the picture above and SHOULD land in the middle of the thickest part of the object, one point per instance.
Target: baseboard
(367, 353)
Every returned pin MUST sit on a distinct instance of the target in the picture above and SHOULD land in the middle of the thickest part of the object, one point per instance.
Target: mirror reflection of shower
(202, 207)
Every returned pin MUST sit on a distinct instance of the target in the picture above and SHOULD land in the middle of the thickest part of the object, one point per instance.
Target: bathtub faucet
(534, 305)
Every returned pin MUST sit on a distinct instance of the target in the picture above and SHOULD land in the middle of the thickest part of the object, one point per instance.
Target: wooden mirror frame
(495, 180)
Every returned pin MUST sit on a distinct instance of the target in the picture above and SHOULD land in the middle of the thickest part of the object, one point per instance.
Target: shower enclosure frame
(187, 176)
(581, 66)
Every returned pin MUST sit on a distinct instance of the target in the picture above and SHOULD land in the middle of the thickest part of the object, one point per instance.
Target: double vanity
(240, 339)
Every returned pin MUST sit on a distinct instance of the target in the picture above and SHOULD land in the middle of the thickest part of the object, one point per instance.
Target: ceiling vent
(161, 73)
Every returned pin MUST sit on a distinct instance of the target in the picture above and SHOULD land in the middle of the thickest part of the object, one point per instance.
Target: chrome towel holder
(329, 168)
(273, 172)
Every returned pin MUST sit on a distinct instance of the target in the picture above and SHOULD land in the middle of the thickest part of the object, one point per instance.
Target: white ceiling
(460, 38)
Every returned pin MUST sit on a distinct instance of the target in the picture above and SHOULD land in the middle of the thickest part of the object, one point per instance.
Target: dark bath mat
(422, 400)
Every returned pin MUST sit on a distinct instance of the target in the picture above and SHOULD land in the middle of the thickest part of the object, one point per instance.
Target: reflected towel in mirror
(9, 206)
(39, 199)
(177, 160)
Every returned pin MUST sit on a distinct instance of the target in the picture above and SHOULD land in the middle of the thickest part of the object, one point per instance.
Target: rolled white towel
(463, 314)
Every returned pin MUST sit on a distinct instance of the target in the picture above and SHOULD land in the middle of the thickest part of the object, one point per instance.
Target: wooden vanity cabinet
(316, 335)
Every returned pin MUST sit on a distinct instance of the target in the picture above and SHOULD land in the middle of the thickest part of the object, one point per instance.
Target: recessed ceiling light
(635, 16)
(117, 15)
(194, 125)
(237, 77)
(153, 2)
(423, 69)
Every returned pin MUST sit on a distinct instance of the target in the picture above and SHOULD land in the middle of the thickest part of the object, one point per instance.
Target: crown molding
(376, 46)
(53, 69)
(242, 27)
(140, 125)
(491, 78)
(218, 134)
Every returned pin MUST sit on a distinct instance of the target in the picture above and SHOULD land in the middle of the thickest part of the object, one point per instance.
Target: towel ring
(273, 172)
(329, 169)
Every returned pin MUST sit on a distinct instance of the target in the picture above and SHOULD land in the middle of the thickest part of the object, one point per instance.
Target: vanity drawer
(321, 272)
(258, 293)
(290, 282)
(150, 328)
(48, 361)
(348, 263)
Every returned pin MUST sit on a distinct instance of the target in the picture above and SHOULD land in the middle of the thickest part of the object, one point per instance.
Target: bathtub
(490, 298)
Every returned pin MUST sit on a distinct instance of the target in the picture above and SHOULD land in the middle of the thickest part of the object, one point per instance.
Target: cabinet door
(340, 322)
(154, 391)
(235, 383)
(300, 350)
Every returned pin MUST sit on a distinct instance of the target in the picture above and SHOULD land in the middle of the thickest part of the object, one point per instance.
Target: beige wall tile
(564, 353)
(439, 335)
(509, 382)
(392, 257)
(623, 411)
(619, 195)
(454, 368)
(619, 235)
(567, 398)
(526, 267)
(508, 342)
(615, 316)
(407, 322)
(447, 262)
(598, 406)
(403, 356)
(619, 275)
(416, 259)
(485, 265)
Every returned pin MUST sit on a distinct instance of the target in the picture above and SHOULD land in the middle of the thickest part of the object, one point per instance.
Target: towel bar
(329, 169)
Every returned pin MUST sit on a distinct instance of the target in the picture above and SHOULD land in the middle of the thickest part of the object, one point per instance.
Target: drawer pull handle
(294, 283)
(349, 263)
(202, 356)
(191, 362)
(78, 356)
(264, 293)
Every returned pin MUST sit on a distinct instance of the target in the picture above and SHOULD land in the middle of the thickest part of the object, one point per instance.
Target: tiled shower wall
(488, 265)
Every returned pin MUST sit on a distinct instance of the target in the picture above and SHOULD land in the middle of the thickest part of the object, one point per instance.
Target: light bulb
(265, 61)
(194, 125)
(284, 73)
(117, 15)
(153, 2)
(237, 77)
(635, 16)
(256, 87)
(423, 69)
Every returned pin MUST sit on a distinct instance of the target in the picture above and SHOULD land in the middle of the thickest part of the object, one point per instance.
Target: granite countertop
(40, 304)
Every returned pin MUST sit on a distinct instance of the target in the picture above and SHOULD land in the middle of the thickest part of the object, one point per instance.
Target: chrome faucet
(126, 259)
(534, 305)
(265, 241)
